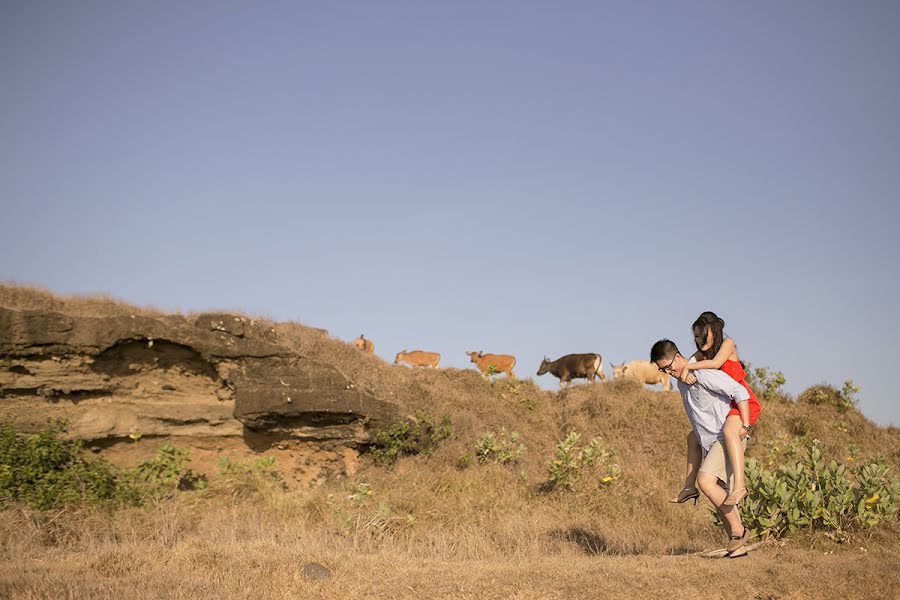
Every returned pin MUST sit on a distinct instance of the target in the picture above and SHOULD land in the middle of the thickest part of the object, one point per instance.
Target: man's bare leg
(731, 517)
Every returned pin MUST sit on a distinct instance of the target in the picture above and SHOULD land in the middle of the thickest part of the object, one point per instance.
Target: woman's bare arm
(717, 361)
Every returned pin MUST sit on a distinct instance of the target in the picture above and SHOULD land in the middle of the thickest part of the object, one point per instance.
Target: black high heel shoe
(686, 494)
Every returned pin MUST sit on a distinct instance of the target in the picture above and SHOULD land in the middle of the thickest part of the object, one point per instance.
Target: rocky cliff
(224, 378)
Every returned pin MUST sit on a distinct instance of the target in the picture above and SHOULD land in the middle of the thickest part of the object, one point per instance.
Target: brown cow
(490, 364)
(574, 366)
(418, 358)
(365, 345)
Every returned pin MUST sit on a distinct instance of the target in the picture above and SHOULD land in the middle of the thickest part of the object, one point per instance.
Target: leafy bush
(815, 495)
(571, 460)
(766, 383)
(419, 436)
(46, 471)
(504, 448)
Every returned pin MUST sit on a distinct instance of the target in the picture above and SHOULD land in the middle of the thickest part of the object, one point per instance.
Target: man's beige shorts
(716, 464)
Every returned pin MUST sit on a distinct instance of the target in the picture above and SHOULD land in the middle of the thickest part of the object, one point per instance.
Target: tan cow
(365, 345)
(490, 364)
(643, 371)
(418, 358)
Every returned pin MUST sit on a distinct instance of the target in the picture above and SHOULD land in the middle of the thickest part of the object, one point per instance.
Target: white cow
(643, 371)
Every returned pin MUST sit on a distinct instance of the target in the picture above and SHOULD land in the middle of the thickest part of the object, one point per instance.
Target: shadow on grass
(591, 543)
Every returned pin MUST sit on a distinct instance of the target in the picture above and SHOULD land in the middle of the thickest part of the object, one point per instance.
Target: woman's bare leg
(694, 458)
(735, 451)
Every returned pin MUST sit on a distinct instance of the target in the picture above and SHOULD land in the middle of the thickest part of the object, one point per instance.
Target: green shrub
(46, 471)
(814, 495)
(571, 460)
(418, 436)
(503, 448)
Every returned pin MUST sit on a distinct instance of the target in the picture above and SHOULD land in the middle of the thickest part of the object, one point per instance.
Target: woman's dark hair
(709, 321)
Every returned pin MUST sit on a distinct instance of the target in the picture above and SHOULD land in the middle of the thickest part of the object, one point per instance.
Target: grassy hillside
(444, 523)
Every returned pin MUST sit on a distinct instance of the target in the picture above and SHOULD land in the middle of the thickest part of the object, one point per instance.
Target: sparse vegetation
(245, 478)
(361, 515)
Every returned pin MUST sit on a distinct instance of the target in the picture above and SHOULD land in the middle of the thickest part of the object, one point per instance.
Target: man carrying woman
(707, 404)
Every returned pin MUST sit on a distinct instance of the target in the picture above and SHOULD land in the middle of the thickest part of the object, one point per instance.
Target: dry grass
(32, 297)
(435, 528)
(176, 550)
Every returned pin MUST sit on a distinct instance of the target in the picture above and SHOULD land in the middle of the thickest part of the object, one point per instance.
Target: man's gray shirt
(708, 401)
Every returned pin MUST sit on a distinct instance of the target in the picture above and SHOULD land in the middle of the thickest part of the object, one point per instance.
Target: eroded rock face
(217, 375)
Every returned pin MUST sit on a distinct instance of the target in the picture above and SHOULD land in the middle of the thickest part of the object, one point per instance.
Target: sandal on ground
(735, 497)
(686, 494)
(737, 541)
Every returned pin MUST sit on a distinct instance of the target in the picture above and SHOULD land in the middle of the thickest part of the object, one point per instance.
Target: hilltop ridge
(130, 379)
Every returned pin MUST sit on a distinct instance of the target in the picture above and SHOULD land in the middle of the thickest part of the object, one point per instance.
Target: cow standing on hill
(489, 364)
(643, 371)
(574, 366)
(418, 358)
(367, 346)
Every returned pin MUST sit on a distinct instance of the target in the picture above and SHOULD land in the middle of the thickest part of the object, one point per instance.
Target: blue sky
(520, 177)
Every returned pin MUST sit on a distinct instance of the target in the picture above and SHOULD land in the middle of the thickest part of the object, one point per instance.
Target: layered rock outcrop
(215, 375)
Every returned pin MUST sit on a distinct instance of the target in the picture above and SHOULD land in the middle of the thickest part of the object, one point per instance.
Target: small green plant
(167, 472)
(571, 460)
(503, 448)
(765, 382)
(848, 396)
(361, 494)
(463, 461)
(513, 388)
(814, 494)
(418, 436)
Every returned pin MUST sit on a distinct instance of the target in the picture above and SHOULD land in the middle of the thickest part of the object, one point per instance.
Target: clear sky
(519, 177)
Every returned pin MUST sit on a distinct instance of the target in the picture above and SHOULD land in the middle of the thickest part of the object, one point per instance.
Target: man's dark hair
(663, 349)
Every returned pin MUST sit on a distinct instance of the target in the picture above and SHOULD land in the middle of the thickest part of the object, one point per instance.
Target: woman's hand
(686, 376)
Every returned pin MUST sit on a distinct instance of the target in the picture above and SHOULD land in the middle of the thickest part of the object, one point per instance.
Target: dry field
(179, 550)
(443, 525)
